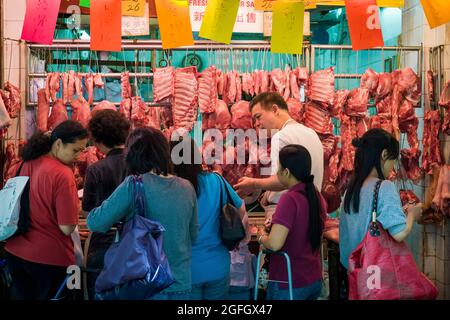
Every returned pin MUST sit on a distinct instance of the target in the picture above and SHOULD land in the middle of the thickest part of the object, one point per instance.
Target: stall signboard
(174, 23)
(136, 26)
(248, 20)
(287, 27)
(364, 24)
(40, 21)
(436, 11)
(106, 25)
(134, 8)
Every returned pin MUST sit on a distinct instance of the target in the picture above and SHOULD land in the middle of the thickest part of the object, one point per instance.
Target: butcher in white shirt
(270, 111)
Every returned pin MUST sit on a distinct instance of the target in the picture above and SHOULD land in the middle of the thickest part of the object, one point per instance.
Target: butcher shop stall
(342, 69)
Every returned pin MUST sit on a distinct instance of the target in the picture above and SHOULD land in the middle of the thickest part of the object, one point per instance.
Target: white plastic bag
(10, 206)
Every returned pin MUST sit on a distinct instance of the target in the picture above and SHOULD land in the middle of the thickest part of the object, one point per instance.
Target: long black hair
(368, 156)
(147, 149)
(297, 159)
(191, 168)
(41, 143)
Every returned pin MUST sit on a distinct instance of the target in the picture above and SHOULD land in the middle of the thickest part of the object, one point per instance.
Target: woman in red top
(297, 226)
(38, 259)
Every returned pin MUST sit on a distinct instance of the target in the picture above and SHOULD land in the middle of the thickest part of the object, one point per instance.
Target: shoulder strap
(20, 168)
(139, 195)
(224, 186)
(373, 224)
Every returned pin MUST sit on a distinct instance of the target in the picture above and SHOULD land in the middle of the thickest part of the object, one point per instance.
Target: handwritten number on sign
(134, 6)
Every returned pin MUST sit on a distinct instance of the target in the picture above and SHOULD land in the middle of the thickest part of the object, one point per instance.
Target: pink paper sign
(40, 21)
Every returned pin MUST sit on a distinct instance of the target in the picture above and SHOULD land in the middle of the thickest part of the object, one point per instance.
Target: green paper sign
(85, 3)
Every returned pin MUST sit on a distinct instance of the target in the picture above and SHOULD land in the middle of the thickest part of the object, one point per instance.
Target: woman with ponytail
(376, 153)
(38, 259)
(297, 227)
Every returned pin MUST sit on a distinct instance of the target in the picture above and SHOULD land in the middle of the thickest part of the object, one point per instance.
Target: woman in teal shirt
(169, 200)
(210, 258)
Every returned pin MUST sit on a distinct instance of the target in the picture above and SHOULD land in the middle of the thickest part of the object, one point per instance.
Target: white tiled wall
(436, 239)
(437, 261)
(14, 52)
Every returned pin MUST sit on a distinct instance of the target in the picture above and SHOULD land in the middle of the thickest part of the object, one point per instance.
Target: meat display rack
(309, 53)
(381, 50)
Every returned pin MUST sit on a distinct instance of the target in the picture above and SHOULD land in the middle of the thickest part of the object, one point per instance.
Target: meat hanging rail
(309, 50)
(309, 53)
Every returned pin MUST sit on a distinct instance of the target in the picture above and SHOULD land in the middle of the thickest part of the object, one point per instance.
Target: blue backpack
(135, 268)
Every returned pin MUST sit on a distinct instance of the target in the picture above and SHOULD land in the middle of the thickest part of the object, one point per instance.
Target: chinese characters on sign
(40, 21)
(106, 25)
(248, 20)
(136, 26)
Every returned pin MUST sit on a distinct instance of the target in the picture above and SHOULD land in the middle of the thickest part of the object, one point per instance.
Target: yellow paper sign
(219, 19)
(287, 27)
(267, 5)
(174, 23)
(436, 11)
(380, 3)
(134, 8)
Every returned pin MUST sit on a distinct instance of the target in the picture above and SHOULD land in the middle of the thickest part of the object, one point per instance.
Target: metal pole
(258, 270)
(2, 69)
(105, 75)
(149, 104)
(439, 72)
(421, 73)
(346, 47)
(157, 44)
(348, 76)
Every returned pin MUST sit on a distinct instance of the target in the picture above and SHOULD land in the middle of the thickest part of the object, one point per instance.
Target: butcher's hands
(245, 186)
(415, 211)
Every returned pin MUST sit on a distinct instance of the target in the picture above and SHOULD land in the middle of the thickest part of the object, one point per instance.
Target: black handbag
(231, 229)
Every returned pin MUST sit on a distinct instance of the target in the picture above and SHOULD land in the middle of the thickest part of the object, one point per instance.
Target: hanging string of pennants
(112, 19)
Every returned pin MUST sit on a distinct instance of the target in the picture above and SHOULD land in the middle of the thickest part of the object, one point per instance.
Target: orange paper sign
(436, 11)
(174, 23)
(364, 24)
(40, 21)
(106, 25)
